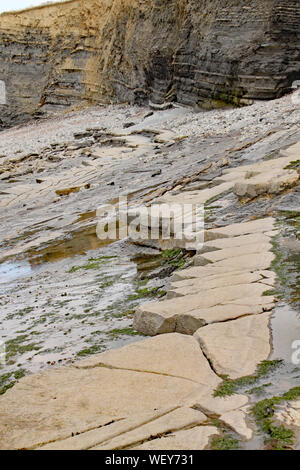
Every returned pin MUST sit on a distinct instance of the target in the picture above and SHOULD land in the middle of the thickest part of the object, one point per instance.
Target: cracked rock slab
(173, 355)
(271, 183)
(131, 431)
(166, 316)
(220, 280)
(230, 253)
(182, 418)
(250, 261)
(242, 240)
(244, 228)
(237, 420)
(212, 406)
(187, 323)
(196, 438)
(246, 263)
(56, 405)
(292, 152)
(102, 434)
(192, 286)
(236, 347)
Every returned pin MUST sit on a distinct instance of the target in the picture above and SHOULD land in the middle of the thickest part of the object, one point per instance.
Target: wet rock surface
(66, 295)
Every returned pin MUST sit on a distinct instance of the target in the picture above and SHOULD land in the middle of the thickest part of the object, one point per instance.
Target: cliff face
(198, 52)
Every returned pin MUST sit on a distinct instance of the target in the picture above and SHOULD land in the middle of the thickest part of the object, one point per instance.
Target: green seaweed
(16, 346)
(96, 348)
(231, 386)
(224, 443)
(147, 292)
(93, 263)
(258, 390)
(127, 331)
(293, 165)
(287, 264)
(278, 437)
(8, 380)
(175, 258)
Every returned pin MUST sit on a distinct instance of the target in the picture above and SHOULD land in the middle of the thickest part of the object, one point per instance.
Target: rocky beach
(148, 344)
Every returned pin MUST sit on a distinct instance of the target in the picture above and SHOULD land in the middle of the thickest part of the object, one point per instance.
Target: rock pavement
(159, 393)
(229, 285)
(118, 394)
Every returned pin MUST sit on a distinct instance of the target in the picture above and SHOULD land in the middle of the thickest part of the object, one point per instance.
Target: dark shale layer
(196, 52)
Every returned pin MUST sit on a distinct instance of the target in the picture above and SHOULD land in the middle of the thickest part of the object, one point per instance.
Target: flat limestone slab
(219, 280)
(204, 272)
(174, 355)
(168, 308)
(191, 439)
(130, 431)
(267, 301)
(188, 323)
(236, 347)
(237, 420)
(180, 418)
(260, 167)
(195, 197)
(189, 287)
(273, 182)
(212, 280)
(252, 261)
(244, 228)
(55, 405)
(102, 434)
(229, 253)
(211, 405)
(223, 243)
(187, 313)
(192, 286)
(245, 263)
(292, 152)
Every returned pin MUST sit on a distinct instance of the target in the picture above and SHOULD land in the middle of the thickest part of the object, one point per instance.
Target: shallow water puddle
(285, 321)
(11, 271)
(68, 299)
(78, 243)
(67, 310)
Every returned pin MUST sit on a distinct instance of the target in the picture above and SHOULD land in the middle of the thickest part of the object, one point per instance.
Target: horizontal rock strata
(81, 52)
(181, 215)
(229, 285)
(159, 393)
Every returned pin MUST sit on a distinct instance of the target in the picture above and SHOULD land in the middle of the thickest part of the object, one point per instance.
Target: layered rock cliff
(196, 52)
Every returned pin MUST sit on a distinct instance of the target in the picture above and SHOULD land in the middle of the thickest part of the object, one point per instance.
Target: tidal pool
(69, 299)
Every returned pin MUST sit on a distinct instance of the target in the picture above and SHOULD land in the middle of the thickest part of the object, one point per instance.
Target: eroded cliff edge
(80, 52)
